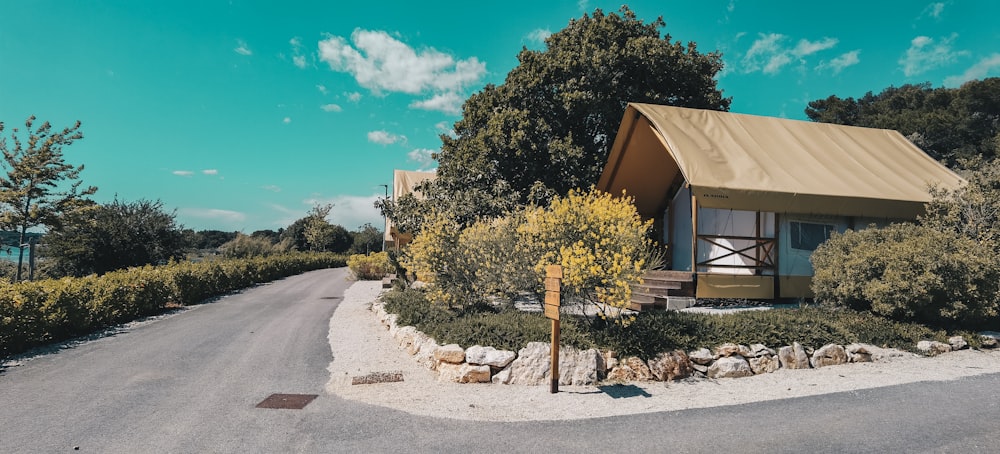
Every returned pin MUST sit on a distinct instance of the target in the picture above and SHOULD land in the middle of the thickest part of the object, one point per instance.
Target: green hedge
(654, 332)
(40, 312)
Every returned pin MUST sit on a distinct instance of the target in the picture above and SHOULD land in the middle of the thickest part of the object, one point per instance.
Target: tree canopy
(949, 124)
(104, 238)
(40, 186)
(549, 127)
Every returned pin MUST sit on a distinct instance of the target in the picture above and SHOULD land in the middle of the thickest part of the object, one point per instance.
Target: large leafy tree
(549, 127)
(39, 186)
(108, 237)
(949, 124)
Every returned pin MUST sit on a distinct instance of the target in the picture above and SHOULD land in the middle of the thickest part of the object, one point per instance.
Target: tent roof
(404, 182)
(760, 163)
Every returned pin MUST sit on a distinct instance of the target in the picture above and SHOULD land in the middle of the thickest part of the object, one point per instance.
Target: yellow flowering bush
(371, 266)
(601, 242)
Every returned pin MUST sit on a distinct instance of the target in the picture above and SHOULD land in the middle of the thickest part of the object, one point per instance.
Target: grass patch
(655, 332)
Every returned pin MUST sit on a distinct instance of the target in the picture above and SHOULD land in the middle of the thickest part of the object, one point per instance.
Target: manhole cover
(287, 401)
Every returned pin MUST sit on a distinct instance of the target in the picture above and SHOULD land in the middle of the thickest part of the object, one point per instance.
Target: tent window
(807, 236)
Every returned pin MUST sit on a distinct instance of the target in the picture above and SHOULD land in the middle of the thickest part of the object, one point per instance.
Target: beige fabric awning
(760, 163)
(404, 182)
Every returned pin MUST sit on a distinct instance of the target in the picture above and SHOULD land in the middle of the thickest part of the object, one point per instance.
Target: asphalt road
(189, 383)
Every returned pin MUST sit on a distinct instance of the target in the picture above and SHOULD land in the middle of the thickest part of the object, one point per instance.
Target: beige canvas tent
(743, 200)
(403, 182)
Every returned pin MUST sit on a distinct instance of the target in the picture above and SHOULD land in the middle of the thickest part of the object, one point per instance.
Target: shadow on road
(624, 391)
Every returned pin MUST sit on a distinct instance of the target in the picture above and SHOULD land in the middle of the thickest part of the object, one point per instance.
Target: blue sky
(241, 115)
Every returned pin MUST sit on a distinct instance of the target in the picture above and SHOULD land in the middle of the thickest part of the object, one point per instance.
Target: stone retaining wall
(531, 365)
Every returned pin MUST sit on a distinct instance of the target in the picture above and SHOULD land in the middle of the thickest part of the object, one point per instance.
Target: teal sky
(241, 115)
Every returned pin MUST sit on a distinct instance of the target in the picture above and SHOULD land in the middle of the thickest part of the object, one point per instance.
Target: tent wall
(680, 231)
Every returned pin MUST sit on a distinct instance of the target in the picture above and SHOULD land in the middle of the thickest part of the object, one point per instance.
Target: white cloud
(769, 54)
(322, 89)
(924, 54)
(732, 6)
(272, 188)
(838, 64)
(980, 70)
(350, 211)
(241, 48)
(538, 35)
(298, 59)
(384, 137)
(210, 171)
(353, 96)
(214, 214)
(382, 63)
(766, 54)
(331, 108)
(806, 47)
(443, 127)
(449, 103)
(183, 173)
(934, 10)
(582, 4)
(423, 157)
(286, 120)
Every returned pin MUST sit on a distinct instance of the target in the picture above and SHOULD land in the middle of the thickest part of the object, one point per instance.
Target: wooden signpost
(553, 279)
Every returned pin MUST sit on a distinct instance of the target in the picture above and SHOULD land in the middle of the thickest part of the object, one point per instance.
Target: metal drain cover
(287, 401)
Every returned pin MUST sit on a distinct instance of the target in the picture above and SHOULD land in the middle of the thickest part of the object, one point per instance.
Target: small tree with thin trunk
(39, 186)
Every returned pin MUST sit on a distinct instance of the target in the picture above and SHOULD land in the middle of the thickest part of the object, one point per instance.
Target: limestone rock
(858, 353)
(730, 367)
(957, 343)
(502, 377)
(702, 356)
(699, 368)
(533, 366)
(670, 366)
(488, 356)
(631, 369)
(829, 355)
(451, 353)
(793, 357)
(730, 349)
(990, 339)
(416, 342)
(933, 348)
(425, 356)
(463, 373)
(758, 350)
(763, 364)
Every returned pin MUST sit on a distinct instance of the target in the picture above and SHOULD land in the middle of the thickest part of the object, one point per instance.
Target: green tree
(366, 239)
(549, 127)
(949, 124)
(39, 187)
(103, 238)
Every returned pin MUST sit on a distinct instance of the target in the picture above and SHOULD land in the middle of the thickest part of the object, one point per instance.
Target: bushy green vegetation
(600, 241)
(654, 332)
(944, 271)
(39, 312)
(370, 266)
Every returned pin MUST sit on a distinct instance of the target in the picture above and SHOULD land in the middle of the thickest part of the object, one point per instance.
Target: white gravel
(361, 346)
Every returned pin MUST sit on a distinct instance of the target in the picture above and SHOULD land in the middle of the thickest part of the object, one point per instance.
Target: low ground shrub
(654, 332)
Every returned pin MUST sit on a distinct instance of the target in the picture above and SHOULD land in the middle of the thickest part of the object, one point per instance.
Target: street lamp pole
(385, 223)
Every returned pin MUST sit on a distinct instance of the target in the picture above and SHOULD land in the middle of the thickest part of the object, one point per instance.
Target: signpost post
(553, 279)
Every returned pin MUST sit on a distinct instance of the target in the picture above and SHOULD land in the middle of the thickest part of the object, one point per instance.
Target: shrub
(909, 272)
(38, 312)
(601, 242)
(246, 246)
(370, 267)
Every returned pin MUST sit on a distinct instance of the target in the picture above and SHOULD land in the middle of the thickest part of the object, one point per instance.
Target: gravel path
(361, 346)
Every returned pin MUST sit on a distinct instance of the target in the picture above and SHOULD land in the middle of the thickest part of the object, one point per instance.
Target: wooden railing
(760, 252)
